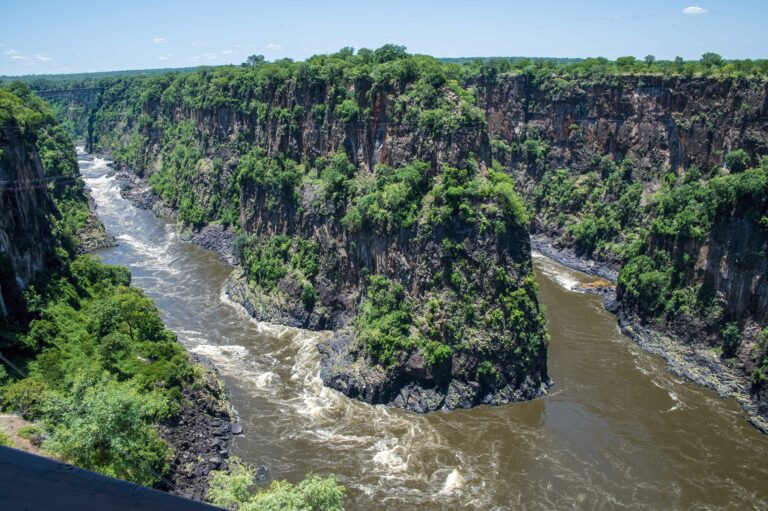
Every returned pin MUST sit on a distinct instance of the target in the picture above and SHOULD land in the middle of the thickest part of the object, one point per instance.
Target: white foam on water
(454, 482)
(221, 353)
(387, 455)
(156, 256)
(267, 379)
(676, 400)
(560, 275)
(676, 403)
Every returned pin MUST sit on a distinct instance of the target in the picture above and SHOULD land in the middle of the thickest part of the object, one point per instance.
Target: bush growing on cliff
(336, 172)
(383, 325)
(103, 425)
(268, 260)
(277, 174)
(731, 336)
(393, 202)
(465, 195)
(737, 161)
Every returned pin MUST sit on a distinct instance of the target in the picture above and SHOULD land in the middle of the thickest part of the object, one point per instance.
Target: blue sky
(45, 36)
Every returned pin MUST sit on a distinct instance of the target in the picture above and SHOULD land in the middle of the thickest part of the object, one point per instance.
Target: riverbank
(200, 434)
(689, 359)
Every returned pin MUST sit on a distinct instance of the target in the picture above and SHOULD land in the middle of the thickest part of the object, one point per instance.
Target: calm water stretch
(617, 430)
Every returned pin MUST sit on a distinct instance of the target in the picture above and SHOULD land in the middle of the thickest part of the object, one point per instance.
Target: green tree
(737, 161)
(103, 425)
(626, 63)
(711, 60)
(254, 61)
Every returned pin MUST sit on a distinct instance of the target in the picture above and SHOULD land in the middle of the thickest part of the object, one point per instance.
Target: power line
(12, 366)
(34, 184)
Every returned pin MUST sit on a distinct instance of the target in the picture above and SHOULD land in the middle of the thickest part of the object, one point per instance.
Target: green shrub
(25, 397)
(232, 490)
(486, 373)
(31, 432)
(384, 321)
(394, 200)
(737, 161)
(103, 425)
(731, 336)
(267, 260)
(278, 174)
(348, 110)
(436, 353)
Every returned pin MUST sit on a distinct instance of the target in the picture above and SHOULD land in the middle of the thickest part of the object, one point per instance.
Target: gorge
(408, 176)
(378, 208)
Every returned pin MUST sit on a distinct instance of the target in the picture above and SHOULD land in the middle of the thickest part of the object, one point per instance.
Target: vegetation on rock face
(307, 210)
(385, 321)
(681, 213)
(656, 240)
(390, 200)
(269, 261)
(20, 107)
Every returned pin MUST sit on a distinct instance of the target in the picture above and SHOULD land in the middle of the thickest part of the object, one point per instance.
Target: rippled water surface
(617, 431)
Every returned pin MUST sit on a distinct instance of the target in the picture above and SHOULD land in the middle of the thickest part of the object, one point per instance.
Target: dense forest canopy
(710, 64)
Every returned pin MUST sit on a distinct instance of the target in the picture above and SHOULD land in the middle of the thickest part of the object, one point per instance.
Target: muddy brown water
(617, 430)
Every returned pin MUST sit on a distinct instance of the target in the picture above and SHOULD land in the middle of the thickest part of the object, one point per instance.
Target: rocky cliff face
(27, 244)
(661, 123)
(645, 174)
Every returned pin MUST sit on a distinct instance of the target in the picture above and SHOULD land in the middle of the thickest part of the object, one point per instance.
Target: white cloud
(227, 52)
(17, 57)
(165, 57)
(274, 47)
(43, 58)
(694, 10)
(11, 52)
(159, 40)
(198, 44)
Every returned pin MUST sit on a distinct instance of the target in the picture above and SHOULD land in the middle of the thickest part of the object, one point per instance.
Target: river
(617, 430)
